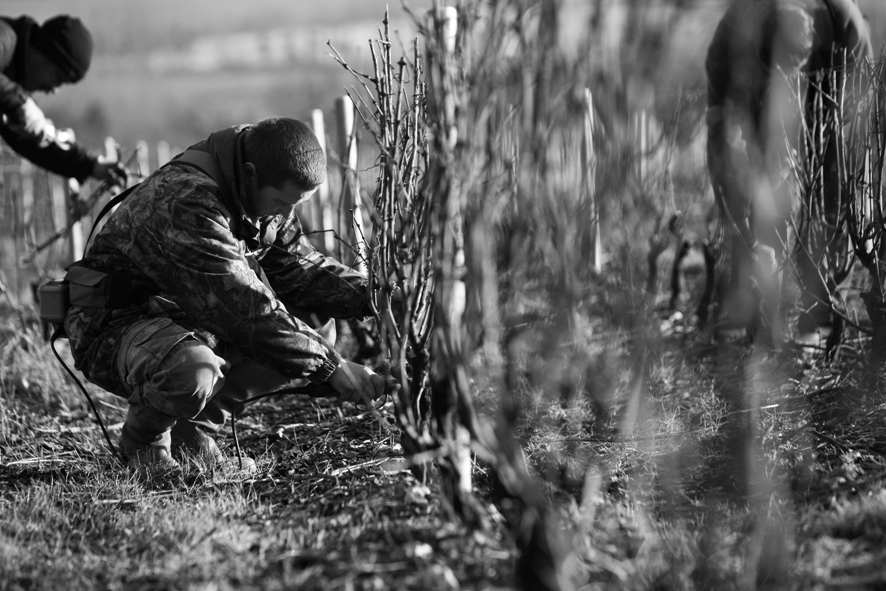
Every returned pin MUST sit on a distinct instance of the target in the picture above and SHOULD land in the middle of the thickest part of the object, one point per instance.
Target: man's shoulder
(178, 188)
(179, 178)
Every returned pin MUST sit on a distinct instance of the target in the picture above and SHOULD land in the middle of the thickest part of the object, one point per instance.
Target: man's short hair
(284, 149)
(788, 33)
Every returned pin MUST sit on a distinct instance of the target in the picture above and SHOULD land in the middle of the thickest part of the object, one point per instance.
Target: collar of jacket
(16, 69)
(227, 146)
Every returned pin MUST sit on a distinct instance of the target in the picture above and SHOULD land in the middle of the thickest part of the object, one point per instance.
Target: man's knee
(185, 380)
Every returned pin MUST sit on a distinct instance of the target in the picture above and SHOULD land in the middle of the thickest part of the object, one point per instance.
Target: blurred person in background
(202, 290)
(41, 58)
(761, 53)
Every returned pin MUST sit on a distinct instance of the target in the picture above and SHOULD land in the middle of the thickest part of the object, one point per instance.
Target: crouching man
(200, 293)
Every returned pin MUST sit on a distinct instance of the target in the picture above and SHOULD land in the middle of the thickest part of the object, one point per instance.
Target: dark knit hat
(65, 41)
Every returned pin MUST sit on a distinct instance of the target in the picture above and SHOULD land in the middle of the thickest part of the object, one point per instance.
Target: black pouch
(90, 288)
(87, 287)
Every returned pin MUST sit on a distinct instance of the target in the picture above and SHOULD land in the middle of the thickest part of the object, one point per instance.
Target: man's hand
(109, 170)
(355, 382)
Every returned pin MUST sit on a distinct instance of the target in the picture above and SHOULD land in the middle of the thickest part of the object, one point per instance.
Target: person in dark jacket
(760, 50)
(219, 294)
(41, 58)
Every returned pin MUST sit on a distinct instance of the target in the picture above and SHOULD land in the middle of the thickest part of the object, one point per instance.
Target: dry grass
(328, 509)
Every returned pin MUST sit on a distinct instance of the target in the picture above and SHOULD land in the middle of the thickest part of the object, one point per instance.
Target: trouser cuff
(147, 426)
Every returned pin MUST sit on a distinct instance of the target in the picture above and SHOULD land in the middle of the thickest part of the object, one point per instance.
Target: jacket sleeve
(305, 278)
(187, 248)
(32, 135)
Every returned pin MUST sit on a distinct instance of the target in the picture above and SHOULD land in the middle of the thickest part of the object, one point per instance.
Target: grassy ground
(332, 507)
(672, 463)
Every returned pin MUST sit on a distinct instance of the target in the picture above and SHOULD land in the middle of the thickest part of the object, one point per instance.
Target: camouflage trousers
(168, 374)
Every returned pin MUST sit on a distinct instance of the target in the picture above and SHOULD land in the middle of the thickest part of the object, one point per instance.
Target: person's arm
(305, 278)
(27, 131)
(727, 157)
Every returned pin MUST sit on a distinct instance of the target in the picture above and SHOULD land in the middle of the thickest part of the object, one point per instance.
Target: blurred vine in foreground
(480, 155)
(392, 106)
(434, 267)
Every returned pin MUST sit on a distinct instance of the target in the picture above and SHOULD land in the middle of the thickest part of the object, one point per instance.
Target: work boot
(144, 443)
(153, 462)
(190, 442)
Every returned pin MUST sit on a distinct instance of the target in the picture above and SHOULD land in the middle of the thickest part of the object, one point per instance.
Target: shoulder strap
(204, 162)
(108, 207)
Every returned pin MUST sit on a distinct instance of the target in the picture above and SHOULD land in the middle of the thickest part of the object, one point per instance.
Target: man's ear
(251, 173)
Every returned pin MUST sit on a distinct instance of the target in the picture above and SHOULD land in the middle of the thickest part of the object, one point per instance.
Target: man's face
(277, 200)
(43, 75)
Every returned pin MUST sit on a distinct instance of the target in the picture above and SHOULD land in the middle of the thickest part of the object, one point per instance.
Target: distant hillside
(136, 26)
(273, 48)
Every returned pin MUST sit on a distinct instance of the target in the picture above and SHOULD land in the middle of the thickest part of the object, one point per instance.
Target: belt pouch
(89, 288)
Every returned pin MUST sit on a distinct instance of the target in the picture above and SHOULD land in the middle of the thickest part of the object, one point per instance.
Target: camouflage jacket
(208, 257)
